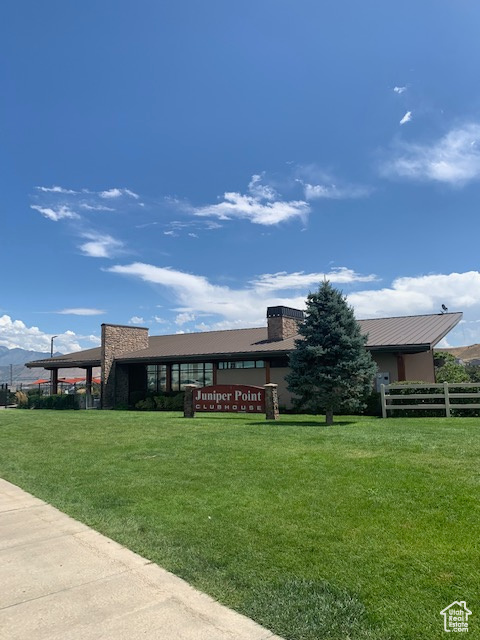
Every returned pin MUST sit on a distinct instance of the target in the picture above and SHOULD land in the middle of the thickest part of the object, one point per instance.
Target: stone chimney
(283, 322)
(117, 340)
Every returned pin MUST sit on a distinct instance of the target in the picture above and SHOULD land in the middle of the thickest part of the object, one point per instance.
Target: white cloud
(422, 294)
(193, 294)
(134, 195)
(236, 205)
(183, 318)
(259, 190)
(259, 206)
(136, 320)
(319, 184)
(95, 207)
(111, 193)
(454, 159)
(81, 311)
(55, 214)
(56, 189)
(300, 280)
(399, 90)
(406, 118)
(238, 308)
(100, 246)
(443, 344)
(334, 192)
(226, 325)
(15, 334)
(117, 193)
(147, 224)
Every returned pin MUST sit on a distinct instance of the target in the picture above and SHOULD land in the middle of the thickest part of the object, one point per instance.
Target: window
(199, 373)
(242, 364)
(279, 362)
(157, 377)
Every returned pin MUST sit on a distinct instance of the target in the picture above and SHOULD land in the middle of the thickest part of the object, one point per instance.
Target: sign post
(271, 402)
(188, 410)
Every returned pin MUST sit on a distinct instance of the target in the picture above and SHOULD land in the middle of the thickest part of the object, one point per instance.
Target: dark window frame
(240, 364)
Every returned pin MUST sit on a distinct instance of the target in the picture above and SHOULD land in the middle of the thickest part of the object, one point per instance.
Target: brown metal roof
(234, 342)
(408, 333)
(86, 358)
(408, 330)
(404, 333)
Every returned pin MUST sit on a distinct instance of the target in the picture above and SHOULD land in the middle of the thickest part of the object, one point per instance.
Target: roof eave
(259, 355)
(459, 316)
(65, 364)
(400, 348)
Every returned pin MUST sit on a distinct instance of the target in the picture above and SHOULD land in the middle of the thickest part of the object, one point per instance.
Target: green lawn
(363, 530)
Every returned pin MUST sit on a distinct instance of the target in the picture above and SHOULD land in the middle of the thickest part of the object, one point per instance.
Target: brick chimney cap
(285, 312)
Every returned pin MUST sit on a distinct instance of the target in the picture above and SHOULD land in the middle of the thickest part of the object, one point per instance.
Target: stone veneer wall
(117, 340)
(282, 327)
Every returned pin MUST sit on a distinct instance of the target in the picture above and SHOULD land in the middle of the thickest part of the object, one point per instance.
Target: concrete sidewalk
(60, 580)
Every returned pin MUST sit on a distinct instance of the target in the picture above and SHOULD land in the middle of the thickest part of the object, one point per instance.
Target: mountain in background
(469, 355)
(20, 356)
(18, 373)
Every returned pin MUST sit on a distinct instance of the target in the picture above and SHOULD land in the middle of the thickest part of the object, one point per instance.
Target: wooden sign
(229, 398)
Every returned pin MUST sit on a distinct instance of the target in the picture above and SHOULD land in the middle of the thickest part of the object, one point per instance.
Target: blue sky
(182, 165)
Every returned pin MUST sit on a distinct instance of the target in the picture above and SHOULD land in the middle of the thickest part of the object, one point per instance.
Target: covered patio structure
(88, 360)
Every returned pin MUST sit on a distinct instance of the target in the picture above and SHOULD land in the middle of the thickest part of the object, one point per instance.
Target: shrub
(373, 404)
(121, 406)
(160, 402)
(6, 397)
(136, 396)
(65, 401)
(168, 401)
(21, 399)
(147, 404)
(175, 402)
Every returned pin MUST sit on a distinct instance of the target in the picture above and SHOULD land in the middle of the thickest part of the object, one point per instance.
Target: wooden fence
(428, 401)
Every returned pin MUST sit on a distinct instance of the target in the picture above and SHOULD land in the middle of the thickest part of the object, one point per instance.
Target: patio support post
(401, 367)
(88, 387)
(53, 382)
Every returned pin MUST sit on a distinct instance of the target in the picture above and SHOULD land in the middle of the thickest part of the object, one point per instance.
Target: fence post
(384, 402)
(447, 399)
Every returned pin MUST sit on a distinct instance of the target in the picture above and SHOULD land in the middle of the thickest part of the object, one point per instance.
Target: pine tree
(331, 370)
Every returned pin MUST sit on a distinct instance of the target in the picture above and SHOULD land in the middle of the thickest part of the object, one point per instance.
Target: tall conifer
(331, 370)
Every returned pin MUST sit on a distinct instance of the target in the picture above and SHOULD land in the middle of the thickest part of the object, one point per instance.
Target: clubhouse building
(133, 362)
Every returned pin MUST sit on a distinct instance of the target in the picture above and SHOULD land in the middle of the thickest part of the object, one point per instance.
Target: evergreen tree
(331, 370)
